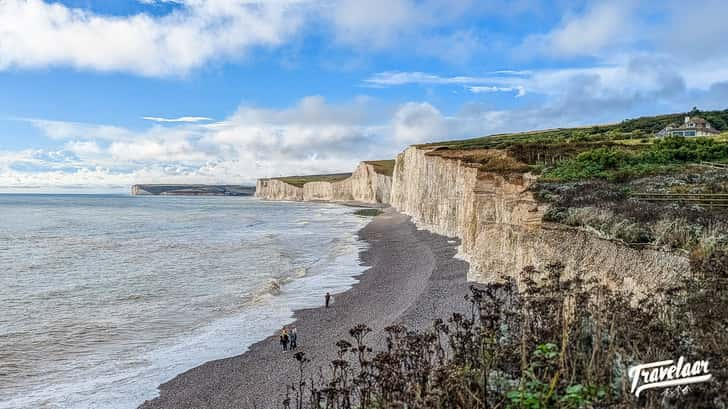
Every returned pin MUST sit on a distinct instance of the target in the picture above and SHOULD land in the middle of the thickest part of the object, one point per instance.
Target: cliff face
(369, 186)
(138, 190)
(364, 185)
(272, 189)
(494, 214)
(499, 223)
(328, 191)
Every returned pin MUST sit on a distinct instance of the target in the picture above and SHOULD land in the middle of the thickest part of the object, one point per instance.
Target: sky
(96, 95)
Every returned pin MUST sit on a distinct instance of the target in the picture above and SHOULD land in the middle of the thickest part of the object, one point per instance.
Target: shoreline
(411, 279)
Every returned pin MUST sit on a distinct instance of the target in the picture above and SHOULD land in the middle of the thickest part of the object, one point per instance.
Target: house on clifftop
(693, 126)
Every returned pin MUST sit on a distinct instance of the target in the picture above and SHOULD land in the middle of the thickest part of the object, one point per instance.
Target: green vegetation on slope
(621, 151)
(383, 167)
(622, 162)
(299, 181)
(638, 128)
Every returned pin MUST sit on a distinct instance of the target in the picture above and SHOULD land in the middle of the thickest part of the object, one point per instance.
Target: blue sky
(103, 94)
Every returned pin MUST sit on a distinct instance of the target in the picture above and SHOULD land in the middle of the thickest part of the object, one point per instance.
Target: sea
(105, 297)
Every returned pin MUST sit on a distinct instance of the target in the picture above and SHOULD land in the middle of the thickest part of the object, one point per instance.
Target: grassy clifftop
(616, 152)
(299, 181)
(638, 128)
(384, 167)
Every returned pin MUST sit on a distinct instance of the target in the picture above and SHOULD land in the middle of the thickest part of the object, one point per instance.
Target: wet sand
(412, 278)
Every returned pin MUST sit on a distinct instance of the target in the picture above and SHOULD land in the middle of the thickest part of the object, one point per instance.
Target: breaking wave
(106, 297)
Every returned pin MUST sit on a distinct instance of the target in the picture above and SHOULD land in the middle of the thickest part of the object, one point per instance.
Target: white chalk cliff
(496, 217)
(364, 185)
(500, 224)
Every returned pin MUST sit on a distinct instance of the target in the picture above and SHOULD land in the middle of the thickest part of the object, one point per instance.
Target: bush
(676, 233)
(551, 342)
(619, 163)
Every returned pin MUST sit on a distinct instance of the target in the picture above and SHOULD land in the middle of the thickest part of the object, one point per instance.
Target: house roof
(698, 122)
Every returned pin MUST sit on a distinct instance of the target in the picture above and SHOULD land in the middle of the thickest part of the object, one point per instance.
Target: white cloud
(419, 122)
(193, 33)
(74, 130)
(39, 34)
(498, 81)
(380, 24)
(160, 150)
(391, 78)
(160, 1)
(519, 90)
(705, 42)
(45, 33)
(312, 136)
(632, 76)
(366, 22)
(83, 148)
(188, 119)
(603, 26)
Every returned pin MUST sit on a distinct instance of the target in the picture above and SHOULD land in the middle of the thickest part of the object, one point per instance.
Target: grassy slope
(299, 181)
(622, 151)
(383, 167)
(629, 129)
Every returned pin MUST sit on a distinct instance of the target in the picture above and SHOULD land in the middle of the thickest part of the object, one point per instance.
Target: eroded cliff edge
(485, 192)
(371, 182)
(485, 197)
(501, 224)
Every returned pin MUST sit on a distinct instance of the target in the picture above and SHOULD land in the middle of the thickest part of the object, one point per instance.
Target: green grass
(723, 137)
(383, 167)
(626, 162)
(618, 151)
(299, 181)
(368, 212)
(630, 129)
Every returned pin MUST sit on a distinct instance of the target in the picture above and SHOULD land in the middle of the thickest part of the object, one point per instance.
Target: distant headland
(192, 190)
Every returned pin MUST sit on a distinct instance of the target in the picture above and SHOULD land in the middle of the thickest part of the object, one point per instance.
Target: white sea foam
(107, 297)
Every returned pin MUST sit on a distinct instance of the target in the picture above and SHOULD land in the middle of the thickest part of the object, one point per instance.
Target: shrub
(621, 163)
(677, 233)
(551, 342)
(605, 207)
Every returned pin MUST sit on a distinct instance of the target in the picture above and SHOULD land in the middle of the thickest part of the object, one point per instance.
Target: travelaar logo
(664, 374)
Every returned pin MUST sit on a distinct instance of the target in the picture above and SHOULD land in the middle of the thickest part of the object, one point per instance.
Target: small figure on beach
(328, 299)
(294, 338)
(284, 339)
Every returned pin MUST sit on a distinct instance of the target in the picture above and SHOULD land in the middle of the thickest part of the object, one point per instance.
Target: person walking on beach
(284, 339)
(328, 299)
(294, 338)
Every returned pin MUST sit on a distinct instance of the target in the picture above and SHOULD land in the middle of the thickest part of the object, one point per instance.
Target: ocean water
(103, 298)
